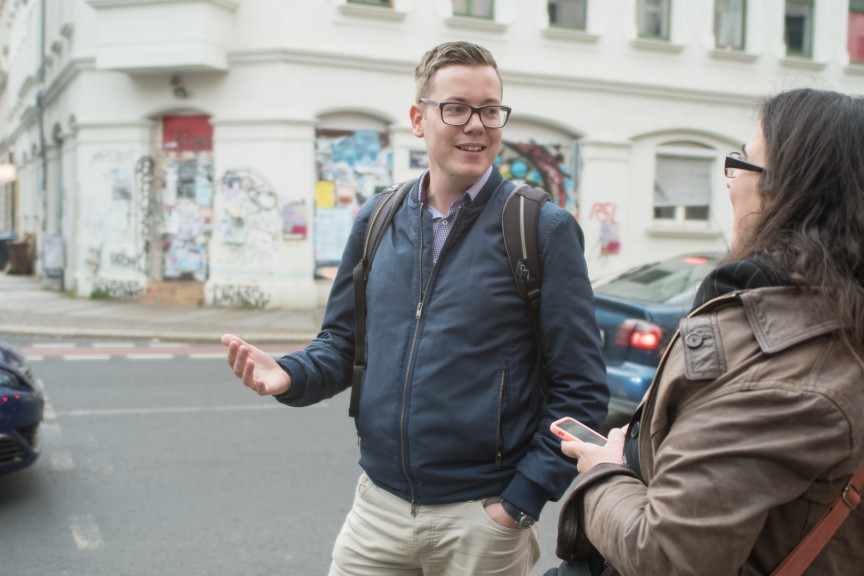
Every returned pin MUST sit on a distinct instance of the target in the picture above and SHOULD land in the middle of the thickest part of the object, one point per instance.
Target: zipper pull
(498, 460)
(413, 508)
(419, 310)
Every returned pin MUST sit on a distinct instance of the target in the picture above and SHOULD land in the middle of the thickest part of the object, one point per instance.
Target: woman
(755, 419)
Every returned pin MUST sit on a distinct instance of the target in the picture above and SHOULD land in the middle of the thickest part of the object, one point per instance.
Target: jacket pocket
(703, 349)
(499, 424)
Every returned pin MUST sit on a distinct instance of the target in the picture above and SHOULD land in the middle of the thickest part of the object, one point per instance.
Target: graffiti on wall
(240, 295)
(251, 223)
(144, 189)
(546, 166)
(107, 220)
(352, 166)
(119, 289)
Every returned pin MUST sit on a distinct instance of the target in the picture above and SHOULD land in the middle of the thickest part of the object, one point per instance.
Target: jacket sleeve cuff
(525, 495)
(298, 383)
(601, 472)
(572, 542)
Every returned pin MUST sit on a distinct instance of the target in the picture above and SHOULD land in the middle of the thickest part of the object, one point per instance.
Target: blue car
(638, 312)
(21, 406)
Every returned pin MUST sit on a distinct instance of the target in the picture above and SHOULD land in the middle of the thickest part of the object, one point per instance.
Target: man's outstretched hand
(255, 368)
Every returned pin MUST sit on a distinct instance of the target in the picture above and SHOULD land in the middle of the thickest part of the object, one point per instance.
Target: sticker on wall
(295, 220)
(610, 239)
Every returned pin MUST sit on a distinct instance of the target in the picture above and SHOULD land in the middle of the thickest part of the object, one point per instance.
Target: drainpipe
(40, 107)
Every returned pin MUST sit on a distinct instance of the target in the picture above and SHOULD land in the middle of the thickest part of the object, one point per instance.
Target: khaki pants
(380, 537)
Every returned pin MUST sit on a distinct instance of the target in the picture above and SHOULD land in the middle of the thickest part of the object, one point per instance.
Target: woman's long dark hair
(811, 229)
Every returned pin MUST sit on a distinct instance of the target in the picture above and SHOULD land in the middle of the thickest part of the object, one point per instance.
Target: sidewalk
(26, 308)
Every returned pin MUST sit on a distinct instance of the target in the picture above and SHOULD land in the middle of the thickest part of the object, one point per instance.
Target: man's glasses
(459, 114)
(734, 163)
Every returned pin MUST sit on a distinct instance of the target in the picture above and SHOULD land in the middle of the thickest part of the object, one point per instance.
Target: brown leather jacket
(753, 424)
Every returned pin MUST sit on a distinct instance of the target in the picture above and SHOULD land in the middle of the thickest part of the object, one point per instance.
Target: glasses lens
(731, 171)
(493, 116)
(459, 114)
(455, 114)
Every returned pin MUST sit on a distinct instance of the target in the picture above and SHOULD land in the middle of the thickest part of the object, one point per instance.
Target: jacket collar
(492, 184)
(781, 317)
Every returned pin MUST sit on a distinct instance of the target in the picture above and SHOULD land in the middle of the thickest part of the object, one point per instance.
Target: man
(456, 450)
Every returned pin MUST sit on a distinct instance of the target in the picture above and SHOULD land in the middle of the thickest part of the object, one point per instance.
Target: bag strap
(519, 222)
(808, 549)
(389, 201)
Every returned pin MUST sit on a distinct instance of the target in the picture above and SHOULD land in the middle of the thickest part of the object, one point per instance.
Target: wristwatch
(523, 520)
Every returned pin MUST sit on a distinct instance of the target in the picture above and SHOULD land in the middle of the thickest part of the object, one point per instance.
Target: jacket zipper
(421, 298)
(499, 440)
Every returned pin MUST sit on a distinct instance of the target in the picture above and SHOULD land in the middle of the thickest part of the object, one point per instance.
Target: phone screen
(581, 432)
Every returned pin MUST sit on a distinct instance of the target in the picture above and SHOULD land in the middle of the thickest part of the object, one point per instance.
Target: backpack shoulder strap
(389, 201)
(519, 224)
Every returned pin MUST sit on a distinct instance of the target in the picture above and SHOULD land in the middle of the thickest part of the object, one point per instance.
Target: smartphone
(570, 429)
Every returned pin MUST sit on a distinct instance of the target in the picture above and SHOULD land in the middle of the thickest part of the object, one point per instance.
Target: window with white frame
(567, 13)
(798, 30)
(855, 40)
(652, 18)
(729, 24)
(474, 8)
(683, 183)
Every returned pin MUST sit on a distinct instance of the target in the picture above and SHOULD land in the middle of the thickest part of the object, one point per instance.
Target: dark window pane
(799, 16)
(664, 212)
(652, 19)
(696, 212)
(567, 13)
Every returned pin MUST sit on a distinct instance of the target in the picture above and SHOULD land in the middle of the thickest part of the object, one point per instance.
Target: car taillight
(639, 334)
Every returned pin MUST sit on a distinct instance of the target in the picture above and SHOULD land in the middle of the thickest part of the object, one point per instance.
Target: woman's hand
(590, 455)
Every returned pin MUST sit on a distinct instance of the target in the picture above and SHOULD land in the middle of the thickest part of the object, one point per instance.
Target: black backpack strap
(519, 225)
(388, 202)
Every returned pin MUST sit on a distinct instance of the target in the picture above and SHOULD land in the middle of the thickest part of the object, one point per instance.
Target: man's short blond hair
(445, 54)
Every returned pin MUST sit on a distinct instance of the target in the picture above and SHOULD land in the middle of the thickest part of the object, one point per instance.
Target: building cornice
(536, 79)
(318, 58)
(526, 78)
(229, 4)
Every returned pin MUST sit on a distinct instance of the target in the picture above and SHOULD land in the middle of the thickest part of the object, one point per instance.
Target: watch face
(525, 521)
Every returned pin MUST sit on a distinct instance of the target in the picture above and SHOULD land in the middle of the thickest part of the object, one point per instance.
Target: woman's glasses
(734, 163)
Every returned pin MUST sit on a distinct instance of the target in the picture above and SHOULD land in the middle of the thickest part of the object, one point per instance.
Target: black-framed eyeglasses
(734, 163)
(459, 113)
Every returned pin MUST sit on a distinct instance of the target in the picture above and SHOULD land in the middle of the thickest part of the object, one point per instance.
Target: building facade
(227, 144)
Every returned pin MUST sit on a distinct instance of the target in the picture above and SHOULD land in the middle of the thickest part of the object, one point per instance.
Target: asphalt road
(156, 461)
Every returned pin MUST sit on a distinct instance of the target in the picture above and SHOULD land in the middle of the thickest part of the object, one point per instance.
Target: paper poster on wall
(325, 194)
(294, 220)
(352, 167)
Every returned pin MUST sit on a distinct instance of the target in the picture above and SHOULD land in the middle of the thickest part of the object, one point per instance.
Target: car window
(672, 281)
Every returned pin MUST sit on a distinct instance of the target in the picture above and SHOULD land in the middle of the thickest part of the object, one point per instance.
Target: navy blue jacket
(451, 409)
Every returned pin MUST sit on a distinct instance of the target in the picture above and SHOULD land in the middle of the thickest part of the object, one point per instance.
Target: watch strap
(522, 519)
